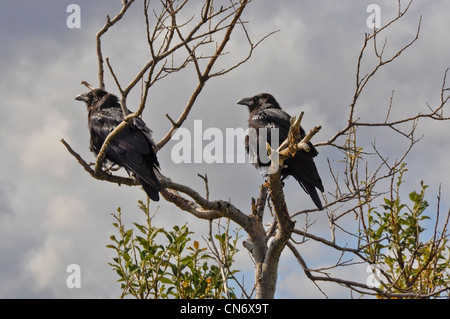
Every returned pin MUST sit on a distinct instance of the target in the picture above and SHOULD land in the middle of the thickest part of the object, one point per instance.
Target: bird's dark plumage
(132, 148)
(265, 112)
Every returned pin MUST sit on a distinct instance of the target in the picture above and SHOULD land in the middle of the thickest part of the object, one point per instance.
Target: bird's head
(98, 98)
(260, 101)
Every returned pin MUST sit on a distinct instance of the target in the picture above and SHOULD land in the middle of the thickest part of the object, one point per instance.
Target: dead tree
(203, 39)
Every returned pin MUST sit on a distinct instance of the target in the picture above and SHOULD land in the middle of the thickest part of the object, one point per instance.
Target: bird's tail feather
(311, 190)
(151, 190)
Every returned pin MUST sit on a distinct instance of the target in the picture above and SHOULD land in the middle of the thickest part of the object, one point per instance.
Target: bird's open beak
(245, 101)
(82, 97)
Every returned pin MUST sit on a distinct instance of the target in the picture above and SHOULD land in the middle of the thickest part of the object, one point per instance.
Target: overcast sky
(52, 213)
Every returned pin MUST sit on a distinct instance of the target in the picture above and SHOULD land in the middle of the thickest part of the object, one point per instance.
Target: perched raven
(132, 148)
(265, 112)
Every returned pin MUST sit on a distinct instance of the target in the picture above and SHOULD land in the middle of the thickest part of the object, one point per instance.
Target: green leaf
(127, 236)
(165, 280)
(141, 228)
(143, 241)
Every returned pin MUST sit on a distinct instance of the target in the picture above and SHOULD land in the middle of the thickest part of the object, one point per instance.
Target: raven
(132, 148)
(266, 113)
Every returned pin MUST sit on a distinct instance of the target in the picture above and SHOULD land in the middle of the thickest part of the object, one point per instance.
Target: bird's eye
(255, 99)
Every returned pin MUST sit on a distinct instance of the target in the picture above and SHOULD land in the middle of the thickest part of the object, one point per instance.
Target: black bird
(265, 112)
(132, 148)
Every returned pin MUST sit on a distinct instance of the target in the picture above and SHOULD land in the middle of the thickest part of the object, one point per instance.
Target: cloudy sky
(53, 214)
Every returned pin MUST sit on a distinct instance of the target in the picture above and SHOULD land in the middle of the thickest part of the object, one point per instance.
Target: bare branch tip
(89, 86)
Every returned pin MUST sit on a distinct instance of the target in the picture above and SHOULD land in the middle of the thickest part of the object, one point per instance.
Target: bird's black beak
(82, 97)
(245, 101)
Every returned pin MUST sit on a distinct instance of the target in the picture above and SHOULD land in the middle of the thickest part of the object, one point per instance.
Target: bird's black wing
(270, 118)
(301, 166)
(142, 127)
(266, 119)
(131, 148)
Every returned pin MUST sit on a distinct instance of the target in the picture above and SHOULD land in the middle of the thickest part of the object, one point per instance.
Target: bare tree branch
(109, 23)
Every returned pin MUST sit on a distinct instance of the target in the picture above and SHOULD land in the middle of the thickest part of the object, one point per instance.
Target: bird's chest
(262, 132)
(99, 130)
